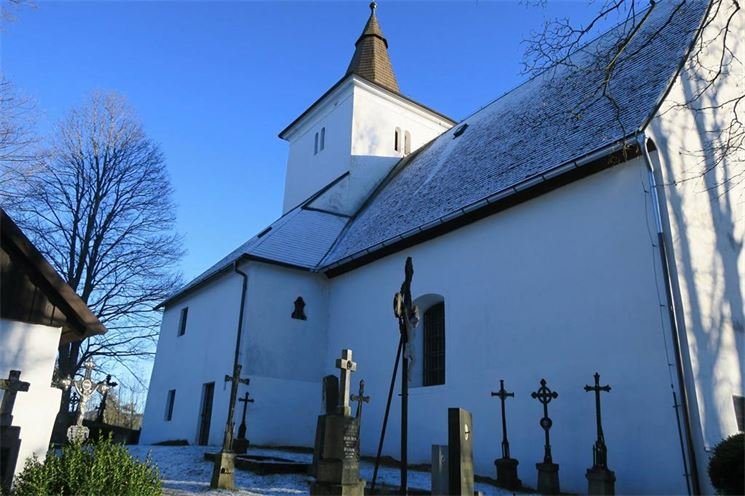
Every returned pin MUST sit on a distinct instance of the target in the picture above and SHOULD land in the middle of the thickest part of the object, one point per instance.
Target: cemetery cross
(360, 398)
(102, 406)
(545, 395)
(12, 385)
(503, 394)
(347, 366)
(599, 450)
(242, 428)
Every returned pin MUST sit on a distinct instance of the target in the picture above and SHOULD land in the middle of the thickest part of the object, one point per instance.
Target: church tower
(346, 142)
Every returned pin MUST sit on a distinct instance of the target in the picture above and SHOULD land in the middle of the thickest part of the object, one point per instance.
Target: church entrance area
(208, 393)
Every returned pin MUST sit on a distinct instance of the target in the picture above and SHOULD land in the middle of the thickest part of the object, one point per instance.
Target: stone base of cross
(77, 434)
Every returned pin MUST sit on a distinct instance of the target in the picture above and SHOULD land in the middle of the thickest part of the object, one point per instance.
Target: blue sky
(214, 82)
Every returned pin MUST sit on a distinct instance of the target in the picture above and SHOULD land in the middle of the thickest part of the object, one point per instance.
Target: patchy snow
(185, 472)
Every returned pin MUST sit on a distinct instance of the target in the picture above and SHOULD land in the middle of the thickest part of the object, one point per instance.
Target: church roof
(532, 133)
(370, 59)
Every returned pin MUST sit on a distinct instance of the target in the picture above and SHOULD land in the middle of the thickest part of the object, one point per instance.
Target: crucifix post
(503, 394)
(242, 428)
(599, 451)
(360, 398)
(408, 317)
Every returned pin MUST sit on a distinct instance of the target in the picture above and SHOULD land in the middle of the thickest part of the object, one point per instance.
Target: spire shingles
(370, 59)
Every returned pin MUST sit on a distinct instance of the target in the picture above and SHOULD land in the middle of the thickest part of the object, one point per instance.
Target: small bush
(727, 465)
(97, 468)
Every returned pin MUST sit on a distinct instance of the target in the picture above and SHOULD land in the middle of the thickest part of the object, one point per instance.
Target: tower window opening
(407, 143)
(315, 149)
(323, 138)
(397, 140)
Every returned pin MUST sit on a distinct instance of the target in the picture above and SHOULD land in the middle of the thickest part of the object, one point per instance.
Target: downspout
(235, 379)
(691, 471)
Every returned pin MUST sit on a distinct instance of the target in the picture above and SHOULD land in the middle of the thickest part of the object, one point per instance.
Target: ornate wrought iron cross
(360, 398)
(503, 394)
(545, 395)
(599, 450)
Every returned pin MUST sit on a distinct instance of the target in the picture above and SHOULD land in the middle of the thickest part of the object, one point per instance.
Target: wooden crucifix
(599, 450)
(242, 428)
(347, 366)
(408, 317)
(12, 385)
(503, 394)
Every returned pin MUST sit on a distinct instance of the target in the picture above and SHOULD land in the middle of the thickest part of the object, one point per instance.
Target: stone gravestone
(460, 452)
(440, 469)
(336, 454)
(330, 401)
(10, 435)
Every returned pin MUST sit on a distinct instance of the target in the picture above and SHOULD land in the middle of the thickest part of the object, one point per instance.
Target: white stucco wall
(281, 356)
(32, 349)
(706, 214)
(558, 287)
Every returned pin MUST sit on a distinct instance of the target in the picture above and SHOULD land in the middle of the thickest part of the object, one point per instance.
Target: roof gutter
(525, 185)
(672, 287)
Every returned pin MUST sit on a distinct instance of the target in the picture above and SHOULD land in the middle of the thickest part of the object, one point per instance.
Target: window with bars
(434, 345)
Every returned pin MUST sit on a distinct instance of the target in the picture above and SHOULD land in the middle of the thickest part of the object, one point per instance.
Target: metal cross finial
(12, 385)
(503, 394)
(545, 395)
(360, 398)
(599, 450)
(347, 366)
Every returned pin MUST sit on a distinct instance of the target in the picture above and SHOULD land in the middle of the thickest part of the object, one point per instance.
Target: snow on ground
(185, 472)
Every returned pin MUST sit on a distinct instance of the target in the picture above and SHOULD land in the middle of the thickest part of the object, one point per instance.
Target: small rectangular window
(397, 140)
(323, 138)
(182, 321)
(407, 143)
(315, 149)
(739, 402)
(170, 400)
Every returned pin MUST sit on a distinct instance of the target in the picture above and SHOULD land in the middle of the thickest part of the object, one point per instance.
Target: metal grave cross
(599, 450)
(242, 428)
(545, 395)
(503, 394)
(360, 398)
(347, 366)
(12, 385)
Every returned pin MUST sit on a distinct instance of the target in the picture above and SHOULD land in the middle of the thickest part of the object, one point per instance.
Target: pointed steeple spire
(370, 58)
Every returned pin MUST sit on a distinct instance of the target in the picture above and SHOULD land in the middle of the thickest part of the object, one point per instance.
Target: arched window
(315, 149)
(397, 140)
(323, 138)
(433, 353)
(407, 143)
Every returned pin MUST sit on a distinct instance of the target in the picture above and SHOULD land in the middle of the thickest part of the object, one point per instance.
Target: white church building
(568, 227)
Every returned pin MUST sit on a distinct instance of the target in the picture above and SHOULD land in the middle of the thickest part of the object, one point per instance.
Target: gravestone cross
(600, 479)
(545, 395)
(347, 366)
(548, 471)
(360, 398)
(86, 388)
(503, 394)
(242, 428)
(102, 406)
(12, 385)
(599, 451)
(506, 466)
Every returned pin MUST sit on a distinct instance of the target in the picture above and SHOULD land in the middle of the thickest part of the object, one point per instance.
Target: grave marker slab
(460, 451)
(440, 468)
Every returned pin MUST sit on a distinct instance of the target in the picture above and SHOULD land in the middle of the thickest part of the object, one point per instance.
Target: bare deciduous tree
(101, 211)
(19, 155)
(713, 57)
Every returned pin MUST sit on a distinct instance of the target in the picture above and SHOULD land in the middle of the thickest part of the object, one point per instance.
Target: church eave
(597, 161)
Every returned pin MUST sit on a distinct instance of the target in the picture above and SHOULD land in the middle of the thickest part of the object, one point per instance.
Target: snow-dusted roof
(548, 121)
(300, 238)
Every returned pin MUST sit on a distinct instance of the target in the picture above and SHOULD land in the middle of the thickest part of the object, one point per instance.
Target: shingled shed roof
(370, 59)
(536, 131)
